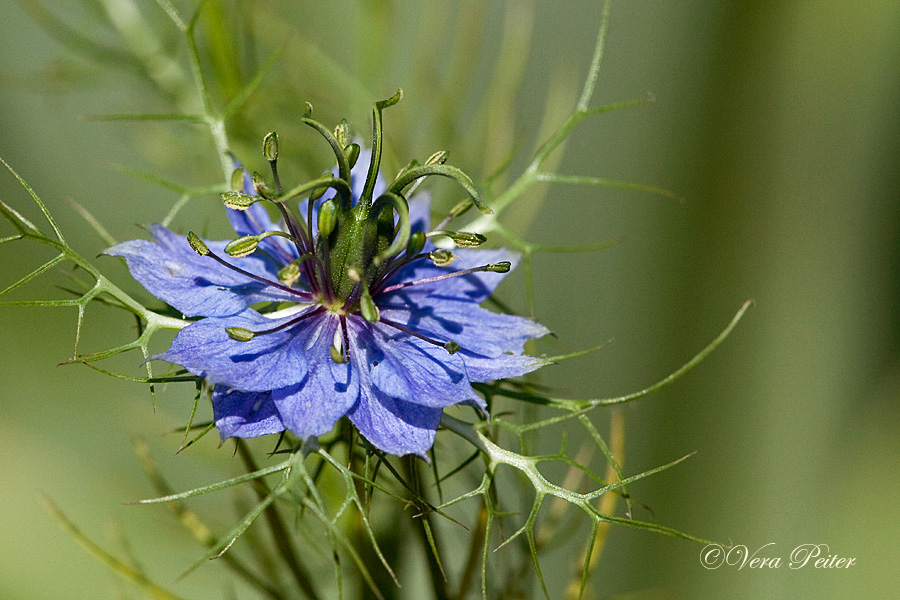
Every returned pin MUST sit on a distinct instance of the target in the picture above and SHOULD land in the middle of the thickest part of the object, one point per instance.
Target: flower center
(348, 246)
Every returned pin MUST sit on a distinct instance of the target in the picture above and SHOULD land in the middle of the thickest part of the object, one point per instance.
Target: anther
(197, 244)
(239, 200)
(466, 239)
(239, 334)
(442, 258)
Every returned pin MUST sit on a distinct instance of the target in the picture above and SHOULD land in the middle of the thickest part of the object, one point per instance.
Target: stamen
(451, 347)
(203, 250)
(245, 335)
(500, 267)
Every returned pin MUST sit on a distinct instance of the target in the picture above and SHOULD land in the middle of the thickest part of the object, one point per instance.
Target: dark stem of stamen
(346, 337)
(290, 323)
(299, 232)
(284, 288)
(405, 329)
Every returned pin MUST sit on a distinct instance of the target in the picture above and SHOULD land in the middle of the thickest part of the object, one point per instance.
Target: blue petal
(482, 369)
(193, 284)
(329, 390)
(392, 425)
(404, 367)
(266, 362)
(475, 329)
(420, 212)
(244, 414)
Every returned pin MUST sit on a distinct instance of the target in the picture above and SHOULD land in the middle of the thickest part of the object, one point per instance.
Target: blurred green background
(779, 124)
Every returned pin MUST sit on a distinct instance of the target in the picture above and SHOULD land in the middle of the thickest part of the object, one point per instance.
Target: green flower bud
(239, 200)
(327, 217)
(197, 244)
(442, 258)
(415, 244)
(270, 147)
(239, 334)
(243, 246)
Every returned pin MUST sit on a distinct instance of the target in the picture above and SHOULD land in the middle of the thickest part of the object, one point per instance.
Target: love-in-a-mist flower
(349, 311)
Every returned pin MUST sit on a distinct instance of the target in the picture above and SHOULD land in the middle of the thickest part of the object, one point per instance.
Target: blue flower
(349, 311)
